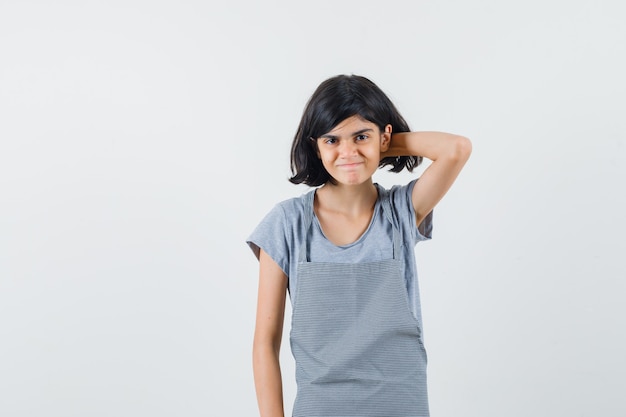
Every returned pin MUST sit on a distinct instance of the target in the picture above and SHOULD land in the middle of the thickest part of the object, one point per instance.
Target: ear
(385, 138)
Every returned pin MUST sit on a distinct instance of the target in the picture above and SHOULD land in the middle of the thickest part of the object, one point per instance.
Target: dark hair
(335, 100)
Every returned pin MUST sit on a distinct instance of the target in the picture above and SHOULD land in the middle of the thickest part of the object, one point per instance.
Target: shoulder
(287, 213)
(403, 211)
(399, 196)
(280, 226)
(292, 210)
(294, 204)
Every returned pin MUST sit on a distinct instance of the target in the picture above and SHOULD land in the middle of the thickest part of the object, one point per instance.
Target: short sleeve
(271, 236)
(403, 203)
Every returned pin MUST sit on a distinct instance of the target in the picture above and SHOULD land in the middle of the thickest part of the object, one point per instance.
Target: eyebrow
(358, 132)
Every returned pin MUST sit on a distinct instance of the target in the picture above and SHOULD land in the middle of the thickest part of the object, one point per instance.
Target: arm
(267, 337)
(448, 154)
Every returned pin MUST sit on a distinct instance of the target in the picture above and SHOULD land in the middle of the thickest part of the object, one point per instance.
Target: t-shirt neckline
(363, 235)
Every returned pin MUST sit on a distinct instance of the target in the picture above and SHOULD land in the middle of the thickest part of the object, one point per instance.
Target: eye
(360, 138)
(330, 141)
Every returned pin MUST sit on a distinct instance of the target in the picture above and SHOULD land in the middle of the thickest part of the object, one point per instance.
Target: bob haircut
(335, 100)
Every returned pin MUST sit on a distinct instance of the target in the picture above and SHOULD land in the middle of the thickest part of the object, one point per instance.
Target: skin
(350, 152)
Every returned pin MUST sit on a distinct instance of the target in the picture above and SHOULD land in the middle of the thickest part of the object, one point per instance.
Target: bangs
(327, 116)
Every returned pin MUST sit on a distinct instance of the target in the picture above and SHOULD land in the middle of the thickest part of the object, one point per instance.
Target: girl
(344, 253)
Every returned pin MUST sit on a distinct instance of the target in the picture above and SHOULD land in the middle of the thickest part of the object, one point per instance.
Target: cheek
(327, 162)
(323, 158)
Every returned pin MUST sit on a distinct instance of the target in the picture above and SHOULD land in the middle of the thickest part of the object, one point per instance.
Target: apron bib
(356, 344)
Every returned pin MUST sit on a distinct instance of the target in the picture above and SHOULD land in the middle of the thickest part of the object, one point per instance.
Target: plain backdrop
(142, 141)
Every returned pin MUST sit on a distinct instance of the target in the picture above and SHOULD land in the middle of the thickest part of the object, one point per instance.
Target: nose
(347, 148)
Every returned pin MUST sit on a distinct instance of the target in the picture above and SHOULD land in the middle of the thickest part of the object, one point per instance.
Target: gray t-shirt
(281, 232)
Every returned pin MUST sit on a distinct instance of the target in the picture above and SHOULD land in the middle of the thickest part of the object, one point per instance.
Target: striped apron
(358, 348)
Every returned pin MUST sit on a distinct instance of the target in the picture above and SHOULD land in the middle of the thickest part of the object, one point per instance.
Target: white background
(142, 141)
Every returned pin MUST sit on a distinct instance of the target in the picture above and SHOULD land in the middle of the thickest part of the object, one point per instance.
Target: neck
(348, 198)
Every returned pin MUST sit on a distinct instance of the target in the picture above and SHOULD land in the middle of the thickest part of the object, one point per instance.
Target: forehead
(352, 124)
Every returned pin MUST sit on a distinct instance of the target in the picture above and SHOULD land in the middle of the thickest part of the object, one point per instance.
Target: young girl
(344, 251)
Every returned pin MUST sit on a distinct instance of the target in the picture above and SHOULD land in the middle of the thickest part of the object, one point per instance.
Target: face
(350, 152)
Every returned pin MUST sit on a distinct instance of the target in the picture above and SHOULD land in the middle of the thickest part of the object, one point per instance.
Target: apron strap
(308, 220)
(386, 203)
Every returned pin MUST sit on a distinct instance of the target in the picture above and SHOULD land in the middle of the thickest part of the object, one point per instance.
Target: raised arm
(267, 337)
(448, 154)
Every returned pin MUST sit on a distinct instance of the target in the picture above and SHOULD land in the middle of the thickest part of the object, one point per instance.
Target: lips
(350, 165)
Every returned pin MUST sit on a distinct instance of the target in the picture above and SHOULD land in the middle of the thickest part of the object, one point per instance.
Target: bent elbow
(462, 148)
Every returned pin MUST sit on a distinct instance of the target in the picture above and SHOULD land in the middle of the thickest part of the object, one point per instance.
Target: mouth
(350, 165)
